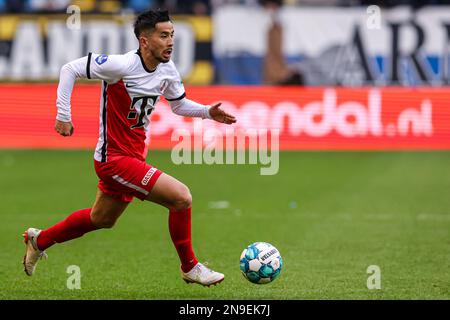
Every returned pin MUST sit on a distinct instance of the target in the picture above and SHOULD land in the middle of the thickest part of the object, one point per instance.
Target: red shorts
(126, 177)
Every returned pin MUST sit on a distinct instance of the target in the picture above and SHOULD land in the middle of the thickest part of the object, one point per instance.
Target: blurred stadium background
(338, 78)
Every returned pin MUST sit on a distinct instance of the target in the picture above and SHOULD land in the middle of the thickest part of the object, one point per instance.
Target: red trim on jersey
(122, 140)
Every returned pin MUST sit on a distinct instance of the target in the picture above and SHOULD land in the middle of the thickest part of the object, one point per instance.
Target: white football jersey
(129, 95)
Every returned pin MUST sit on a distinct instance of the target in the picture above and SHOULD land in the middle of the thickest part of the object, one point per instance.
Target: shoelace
(42, 255)
(204, 264)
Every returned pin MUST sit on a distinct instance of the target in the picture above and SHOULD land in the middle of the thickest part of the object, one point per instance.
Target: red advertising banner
(307, 118)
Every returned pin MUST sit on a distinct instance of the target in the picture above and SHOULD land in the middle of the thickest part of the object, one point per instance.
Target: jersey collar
(138, 52)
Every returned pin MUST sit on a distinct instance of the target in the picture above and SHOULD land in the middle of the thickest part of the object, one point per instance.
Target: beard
(163, 60)
(159, 57)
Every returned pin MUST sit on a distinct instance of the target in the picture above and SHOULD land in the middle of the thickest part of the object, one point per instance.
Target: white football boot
(202, 275)
(32, 253)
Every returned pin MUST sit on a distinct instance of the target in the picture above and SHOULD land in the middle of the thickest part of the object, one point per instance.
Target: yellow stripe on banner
(43, 25)
(202, 26)
(202, 73)
(109, 6)
(85, 5)
(8, 27)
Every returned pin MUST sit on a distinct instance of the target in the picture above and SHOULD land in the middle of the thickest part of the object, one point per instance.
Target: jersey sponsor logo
(130, 84)
(148, 176)
(141, 108)
(101, 59)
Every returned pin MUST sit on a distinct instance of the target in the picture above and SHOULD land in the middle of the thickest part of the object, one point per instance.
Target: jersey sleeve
(69, 73)
(110, 68)
(175, 88)
(189, 108)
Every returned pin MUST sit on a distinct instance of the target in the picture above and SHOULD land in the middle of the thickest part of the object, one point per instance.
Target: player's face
(161, 41)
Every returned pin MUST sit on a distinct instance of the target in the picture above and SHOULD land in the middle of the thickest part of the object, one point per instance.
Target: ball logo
(148, 176)
(268, 254)
(101, 59)
(275, 263)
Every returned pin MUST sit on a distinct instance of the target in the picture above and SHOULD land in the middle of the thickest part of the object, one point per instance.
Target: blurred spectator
(200, 7)
(14, 6)
(196, 7)
(381, 3)
(319, 2)
(276, 71)
(141, 5)
(49, 5)
(413, 3)
(219, 3)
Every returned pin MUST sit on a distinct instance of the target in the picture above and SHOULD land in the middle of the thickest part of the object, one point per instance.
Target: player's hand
(219, 115)
(64, 128)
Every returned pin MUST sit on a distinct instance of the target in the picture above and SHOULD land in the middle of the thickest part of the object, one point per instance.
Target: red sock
(180, 232)
(74, 226)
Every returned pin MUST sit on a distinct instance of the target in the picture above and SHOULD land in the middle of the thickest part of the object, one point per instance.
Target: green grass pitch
(331, 215)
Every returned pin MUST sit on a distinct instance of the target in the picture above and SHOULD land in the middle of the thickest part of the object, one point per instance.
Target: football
(261, 263)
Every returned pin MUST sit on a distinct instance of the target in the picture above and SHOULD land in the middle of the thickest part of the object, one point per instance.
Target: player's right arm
(93, 66)
(68, 74)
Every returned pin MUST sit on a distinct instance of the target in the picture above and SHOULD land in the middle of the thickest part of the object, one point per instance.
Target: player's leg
(175, 196)
(170, 193)
(104, 213)
(106, 210)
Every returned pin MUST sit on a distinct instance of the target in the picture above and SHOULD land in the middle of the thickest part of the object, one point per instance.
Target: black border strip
(179, 98)
(240, 309)
(88, 66)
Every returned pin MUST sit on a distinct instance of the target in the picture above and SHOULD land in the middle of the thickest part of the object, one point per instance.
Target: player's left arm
(220, 115)
(189, 108)
(176, 96)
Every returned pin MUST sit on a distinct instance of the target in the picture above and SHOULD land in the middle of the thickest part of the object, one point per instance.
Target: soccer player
(132, 85)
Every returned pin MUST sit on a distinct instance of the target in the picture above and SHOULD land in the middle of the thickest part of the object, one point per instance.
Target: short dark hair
(147, 20)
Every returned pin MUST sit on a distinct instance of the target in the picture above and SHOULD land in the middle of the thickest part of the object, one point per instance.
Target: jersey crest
(101, 59)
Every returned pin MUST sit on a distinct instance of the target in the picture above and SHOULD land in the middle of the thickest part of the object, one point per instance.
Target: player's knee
(103, 222)
(183, 199)
(108, 223)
